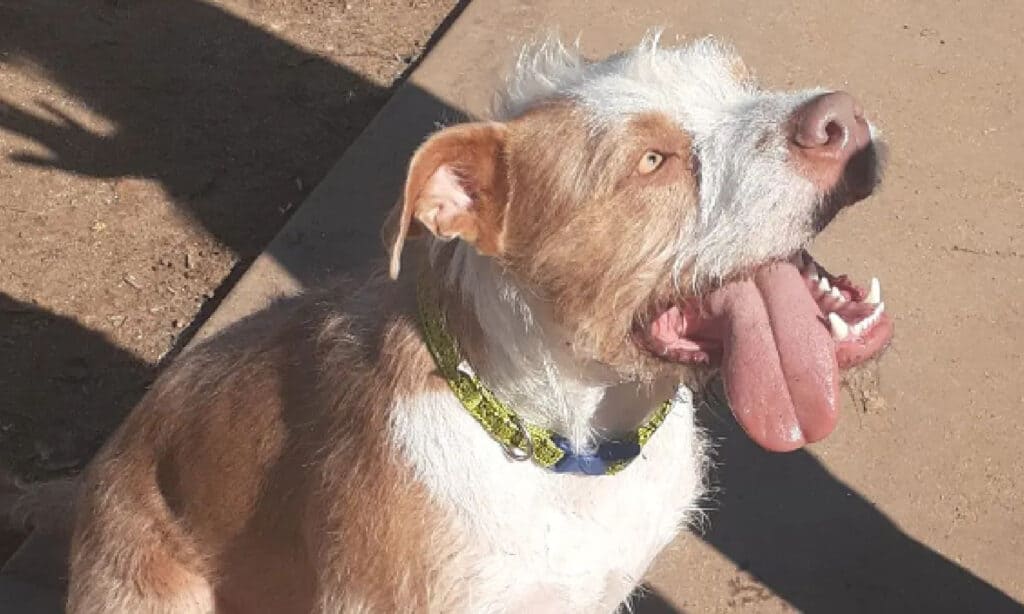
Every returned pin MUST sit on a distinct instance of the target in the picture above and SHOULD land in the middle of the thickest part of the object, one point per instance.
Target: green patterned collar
(522, 441)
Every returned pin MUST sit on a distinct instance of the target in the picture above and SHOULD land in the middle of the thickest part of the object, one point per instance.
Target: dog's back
(216, 484)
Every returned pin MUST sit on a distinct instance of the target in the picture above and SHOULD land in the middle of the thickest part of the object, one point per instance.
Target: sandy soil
(148, 151)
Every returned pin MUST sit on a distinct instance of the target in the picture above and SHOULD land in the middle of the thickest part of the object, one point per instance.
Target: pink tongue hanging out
(778, 359)
(779, 339)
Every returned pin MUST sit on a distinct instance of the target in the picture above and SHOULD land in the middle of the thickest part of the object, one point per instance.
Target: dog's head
(659, 203)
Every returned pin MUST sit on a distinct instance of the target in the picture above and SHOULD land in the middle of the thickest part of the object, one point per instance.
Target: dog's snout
(830, 127)
(831, 144)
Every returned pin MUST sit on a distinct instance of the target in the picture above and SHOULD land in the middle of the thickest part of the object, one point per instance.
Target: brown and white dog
(623, 229)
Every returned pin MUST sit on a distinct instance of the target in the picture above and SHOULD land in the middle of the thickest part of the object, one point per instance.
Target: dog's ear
(457, 187)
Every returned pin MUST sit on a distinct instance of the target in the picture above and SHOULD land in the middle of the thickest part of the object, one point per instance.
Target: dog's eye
(651, 161)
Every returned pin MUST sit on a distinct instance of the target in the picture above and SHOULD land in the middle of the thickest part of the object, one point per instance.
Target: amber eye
(651, 161)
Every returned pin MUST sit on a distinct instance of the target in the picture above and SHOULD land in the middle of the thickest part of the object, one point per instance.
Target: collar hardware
(517, 453)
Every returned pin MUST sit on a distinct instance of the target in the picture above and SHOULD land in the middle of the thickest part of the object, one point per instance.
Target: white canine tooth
(836, 294)
(823, 284)
(812, 272)
(840, 329)
(869, 321)
(874, 292)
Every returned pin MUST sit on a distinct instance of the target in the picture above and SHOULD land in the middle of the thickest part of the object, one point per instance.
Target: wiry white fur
(526, 362)
(565, 543)
(738, 133)
(542, 70)
(545, 542)
(541, 541)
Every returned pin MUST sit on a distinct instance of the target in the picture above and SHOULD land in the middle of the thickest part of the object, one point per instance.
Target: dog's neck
(526, 359)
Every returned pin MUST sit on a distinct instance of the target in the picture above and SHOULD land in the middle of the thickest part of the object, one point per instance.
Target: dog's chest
(548, 541)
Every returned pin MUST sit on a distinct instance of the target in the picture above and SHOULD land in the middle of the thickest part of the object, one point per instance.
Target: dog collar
(522, 441)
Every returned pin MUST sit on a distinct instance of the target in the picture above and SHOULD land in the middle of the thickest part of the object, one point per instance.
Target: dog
(502, 417)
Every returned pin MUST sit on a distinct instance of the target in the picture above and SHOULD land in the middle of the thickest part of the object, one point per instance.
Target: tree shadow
(195, 96)
(820, 545)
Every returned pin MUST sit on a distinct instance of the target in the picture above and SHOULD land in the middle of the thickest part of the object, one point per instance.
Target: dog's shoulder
(292, 380)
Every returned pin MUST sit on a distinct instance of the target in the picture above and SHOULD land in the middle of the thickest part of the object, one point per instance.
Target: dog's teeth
(823, 284)
(874, 293)
(877, 313)
(812, 272)
(836, 294)
(869, 321)
(840, 329)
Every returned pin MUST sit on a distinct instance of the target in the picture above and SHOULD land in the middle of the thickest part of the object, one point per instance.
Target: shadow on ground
(649, 601)
(62, 383)
(177, 75)
(816, 542)
(197, 99)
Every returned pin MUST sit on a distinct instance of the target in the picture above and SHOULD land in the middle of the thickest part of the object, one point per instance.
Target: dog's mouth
(780, 337)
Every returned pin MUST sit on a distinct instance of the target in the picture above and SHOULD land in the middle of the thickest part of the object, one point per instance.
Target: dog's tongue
(778, 359)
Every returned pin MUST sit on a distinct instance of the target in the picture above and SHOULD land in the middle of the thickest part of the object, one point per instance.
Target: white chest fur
(547, 541)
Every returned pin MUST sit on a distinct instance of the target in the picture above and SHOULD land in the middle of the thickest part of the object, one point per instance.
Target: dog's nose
(830, 127)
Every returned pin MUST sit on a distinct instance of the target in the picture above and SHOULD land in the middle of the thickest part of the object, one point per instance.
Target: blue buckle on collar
(597, 463)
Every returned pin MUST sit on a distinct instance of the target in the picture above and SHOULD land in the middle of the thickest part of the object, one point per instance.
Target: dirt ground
(149, 150)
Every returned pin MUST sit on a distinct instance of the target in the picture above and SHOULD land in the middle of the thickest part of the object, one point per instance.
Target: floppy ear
(457, 187)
